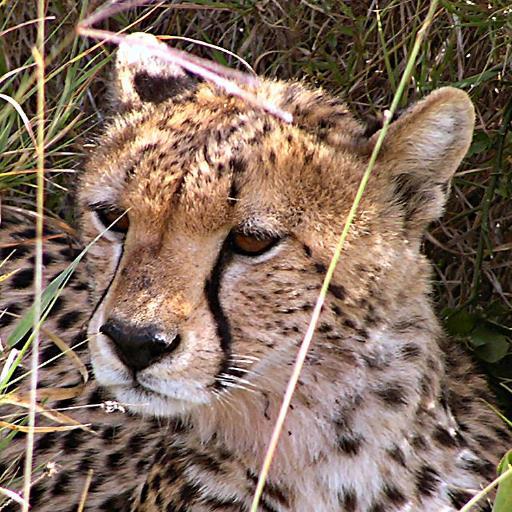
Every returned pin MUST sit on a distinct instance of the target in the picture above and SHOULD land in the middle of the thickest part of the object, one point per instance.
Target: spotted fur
(389, 415)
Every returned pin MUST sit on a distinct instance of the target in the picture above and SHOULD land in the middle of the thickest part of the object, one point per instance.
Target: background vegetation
(356, 49)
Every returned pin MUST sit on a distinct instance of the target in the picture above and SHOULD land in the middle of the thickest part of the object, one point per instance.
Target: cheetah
(190, 308)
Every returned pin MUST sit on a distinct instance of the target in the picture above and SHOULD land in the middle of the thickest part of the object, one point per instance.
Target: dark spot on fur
(394, 495)
(80, 286)
(87, 461)
(13, 252)
(427, 481)
(320, 268)
(418, 441)
(69, 253)
(136, 442)
(46, 441)
(57, 306)
(459, 497)
(155, 482)
(361, 335)
(118, 502)
(68, 319)
(23, 279)
(349, 445)
(444, 438)
(61, 485)
(397, 455)
(348, 501)
(236, 165)
(51, 352)
(109, 434)
(410, 351)
(48, 259)
(486, 442)
(25, 233)
(155, 89)
(392, 394)
(189, 493)
(113, 460)
(480, 467)
(144, 493)
(8, 316)
(350, 324)
(96, 397)
(324, 328)
(65, 403)
(72, 440)
(36, 493)
(338, 291)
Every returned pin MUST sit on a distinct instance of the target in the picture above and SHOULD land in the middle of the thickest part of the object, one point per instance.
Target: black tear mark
(234, 191)
(236, 165)
(223, 328)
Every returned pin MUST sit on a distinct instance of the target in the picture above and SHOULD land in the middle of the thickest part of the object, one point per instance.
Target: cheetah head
(222, 220)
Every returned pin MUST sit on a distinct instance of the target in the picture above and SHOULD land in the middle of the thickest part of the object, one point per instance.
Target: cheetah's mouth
(148, 396)
(150, 401)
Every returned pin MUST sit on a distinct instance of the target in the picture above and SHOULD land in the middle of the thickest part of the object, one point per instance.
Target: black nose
(137, 347)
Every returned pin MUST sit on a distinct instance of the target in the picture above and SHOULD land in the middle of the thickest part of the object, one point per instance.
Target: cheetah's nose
(138, 347)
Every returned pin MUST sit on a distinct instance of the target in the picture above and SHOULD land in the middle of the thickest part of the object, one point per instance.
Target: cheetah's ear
(422, 150)
(141, 75)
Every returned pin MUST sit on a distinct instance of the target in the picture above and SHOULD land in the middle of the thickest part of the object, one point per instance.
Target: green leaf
(503, 502)
(461, 323)
(481, 143)
(48, 298)
(489, 344)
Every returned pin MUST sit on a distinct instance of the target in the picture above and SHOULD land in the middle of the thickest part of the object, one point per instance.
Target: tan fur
(381, 420)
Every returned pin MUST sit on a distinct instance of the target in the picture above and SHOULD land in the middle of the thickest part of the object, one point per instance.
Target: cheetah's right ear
(422, 151)
(141, 75)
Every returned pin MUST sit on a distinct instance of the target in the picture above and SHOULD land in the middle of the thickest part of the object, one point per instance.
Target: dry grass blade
(39, 430)
(23, 116)
(301, 356)
(12, 495)
(25, 24)
(114, 7)
(484, 492)
(63, 419)
(13, 354)
(68, 352)
(212, 46)
(4, 277)
(85, 491)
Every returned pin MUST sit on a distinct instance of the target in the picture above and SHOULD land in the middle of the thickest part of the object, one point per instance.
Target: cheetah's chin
(147, 402)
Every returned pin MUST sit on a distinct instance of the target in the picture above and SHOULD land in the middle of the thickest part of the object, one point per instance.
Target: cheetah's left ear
(141, 75)
(422, 150)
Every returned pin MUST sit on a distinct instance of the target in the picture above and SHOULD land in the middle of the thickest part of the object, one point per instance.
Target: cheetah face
(222, 219)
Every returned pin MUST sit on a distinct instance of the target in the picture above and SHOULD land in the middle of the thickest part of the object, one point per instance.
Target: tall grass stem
(38, 53)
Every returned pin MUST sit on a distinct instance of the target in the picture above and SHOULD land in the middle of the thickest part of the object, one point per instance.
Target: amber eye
(113, 218)
(251, 245)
